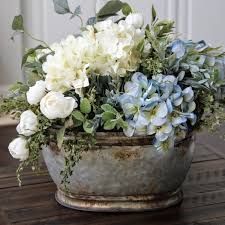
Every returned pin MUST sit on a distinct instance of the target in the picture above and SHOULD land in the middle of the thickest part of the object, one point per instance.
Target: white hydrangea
(107, 48)
(67, 66)
(117, 43)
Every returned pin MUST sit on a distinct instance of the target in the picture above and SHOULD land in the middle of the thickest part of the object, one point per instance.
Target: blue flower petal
(178, 120)
(169, 106)
(133, 89)
(181, 75)
(157, 121)
(178, 48)
(188, 94)
(161, 110)
(129, 131)
(141, 79)
(151, 129)
(178, 101)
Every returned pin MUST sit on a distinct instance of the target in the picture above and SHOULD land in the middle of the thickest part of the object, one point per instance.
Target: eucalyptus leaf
(17, 24)
(110, 8)
(154, 14)
(126, 9)
(92, 21)
(61, 6)
(30, 52)
(77, 12)
(102, 18)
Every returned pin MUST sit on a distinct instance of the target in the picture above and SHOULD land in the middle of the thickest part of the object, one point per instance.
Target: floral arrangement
(119, 76)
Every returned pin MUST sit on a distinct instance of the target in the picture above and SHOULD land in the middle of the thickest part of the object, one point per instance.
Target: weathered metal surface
(114, 177)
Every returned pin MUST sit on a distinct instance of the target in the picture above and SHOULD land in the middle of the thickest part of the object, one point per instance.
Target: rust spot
(53, 146)
(126, 155)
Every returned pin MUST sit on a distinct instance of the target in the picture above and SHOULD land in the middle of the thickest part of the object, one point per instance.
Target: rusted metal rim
(119, 204)
(119, 139)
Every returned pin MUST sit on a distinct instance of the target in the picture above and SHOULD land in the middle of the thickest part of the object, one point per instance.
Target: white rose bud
(28, 123)
(135, 19)
(54, 105)
(36, 93)
(18, 149)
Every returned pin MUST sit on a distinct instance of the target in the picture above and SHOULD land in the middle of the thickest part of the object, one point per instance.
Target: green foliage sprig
(73, 149)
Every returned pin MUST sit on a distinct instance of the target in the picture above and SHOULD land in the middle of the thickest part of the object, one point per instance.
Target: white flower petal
(18, 149)
(135, 19)
(36, 93)
(54, 105)
(28, 124)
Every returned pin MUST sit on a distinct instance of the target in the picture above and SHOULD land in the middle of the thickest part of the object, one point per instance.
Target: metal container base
(119, 204)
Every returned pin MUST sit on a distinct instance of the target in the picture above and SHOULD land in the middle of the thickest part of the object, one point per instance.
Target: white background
(195, 19)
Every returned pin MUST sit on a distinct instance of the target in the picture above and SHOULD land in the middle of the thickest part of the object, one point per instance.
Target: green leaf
(60, 136)
(61, 6)
(30, 52)
(85, 106)
(110, 124)
(33, 77)
(126, 10)
(88, 127)
(123, 124)
(92, 21)
(154, 14)
(108, 116)
(78, 115)
(17, 24)
(19, 86)
(110, 8)
(77, 12)
(109, 108)
(141, 45)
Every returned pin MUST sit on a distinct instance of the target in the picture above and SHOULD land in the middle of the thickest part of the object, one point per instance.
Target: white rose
(135, 19)
(18, 149)
(54, 105)
(36, 93)
(28, 123)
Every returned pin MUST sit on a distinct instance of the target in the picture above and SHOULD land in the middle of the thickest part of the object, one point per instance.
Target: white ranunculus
(55, 105)
(18, 149)
(135, 19)
(28, 123)
(36, 93)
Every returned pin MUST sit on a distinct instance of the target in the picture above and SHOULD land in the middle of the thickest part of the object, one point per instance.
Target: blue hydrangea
(157, 106)
(194, 58)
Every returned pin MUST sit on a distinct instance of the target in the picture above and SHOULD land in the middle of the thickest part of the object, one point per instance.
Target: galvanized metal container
(123, 174)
